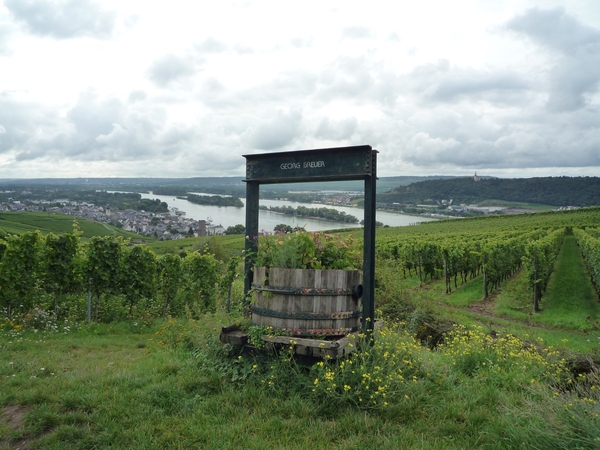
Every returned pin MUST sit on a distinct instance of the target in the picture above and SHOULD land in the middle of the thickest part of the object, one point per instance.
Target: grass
(522, 205)
(18, 223)
(570, 300)
(230, 244)
(171, 385)
(22, 222)
(466, 294)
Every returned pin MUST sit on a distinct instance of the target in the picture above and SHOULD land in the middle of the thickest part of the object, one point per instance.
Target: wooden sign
(328, 164)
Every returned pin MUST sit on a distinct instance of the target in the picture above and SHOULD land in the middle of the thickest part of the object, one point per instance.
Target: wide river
(229, 216)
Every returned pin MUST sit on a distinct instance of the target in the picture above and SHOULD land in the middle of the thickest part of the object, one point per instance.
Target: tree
(201, 274)
(213, 245)
(231, 274)
(169, 278)
(236, 229)
(3, 247)
(283, 228)
(19, 270)
(102, 268)
(60, 265)
(138, 275)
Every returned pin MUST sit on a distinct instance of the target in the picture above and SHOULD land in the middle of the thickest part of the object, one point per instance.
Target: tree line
(555, 191)
(214, 200)
(320, 213)
(114, 200)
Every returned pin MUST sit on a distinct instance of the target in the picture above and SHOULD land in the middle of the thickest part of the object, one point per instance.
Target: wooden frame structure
(329, 164)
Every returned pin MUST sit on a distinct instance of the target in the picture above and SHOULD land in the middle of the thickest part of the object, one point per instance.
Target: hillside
(451, 367)
(19, 222)
(181, 186)
(555, 191)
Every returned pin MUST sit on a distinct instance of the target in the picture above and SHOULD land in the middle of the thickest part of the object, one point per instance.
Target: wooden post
(536, 285)
(251, 247)
(447, 273)
(368, 302)
(485, 278)
(89, 299)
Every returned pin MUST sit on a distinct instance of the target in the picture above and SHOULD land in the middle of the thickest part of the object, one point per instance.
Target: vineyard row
(36, 270)
(495, 255)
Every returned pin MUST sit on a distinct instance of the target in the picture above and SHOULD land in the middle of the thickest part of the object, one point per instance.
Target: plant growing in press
(308, 250)
(307, 284)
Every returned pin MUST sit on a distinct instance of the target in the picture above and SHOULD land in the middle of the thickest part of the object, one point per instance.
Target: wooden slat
(292, 303)
(318, 348)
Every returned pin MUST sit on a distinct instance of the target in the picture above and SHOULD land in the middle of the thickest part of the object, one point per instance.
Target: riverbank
(231, 216)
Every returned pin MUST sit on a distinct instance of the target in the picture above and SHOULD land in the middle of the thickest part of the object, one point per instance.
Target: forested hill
(556, 191)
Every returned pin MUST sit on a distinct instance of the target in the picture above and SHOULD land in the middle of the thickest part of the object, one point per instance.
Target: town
(162, 225)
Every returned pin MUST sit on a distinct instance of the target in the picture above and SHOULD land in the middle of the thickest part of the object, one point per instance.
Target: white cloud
(139, 89)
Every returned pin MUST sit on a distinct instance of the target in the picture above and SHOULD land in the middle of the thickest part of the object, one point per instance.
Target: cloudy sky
(144, 88)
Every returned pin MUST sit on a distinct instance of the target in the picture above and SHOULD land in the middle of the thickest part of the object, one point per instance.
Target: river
(230, 216)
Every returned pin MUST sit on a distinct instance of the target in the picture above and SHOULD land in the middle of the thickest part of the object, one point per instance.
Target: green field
(22, 222)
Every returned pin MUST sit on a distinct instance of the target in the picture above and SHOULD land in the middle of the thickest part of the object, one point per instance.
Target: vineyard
(106, 279)
(490, 340)
(61, 272)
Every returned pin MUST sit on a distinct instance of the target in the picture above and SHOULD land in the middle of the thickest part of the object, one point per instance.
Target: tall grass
(571, 300)
(173, 385)
(492, 382)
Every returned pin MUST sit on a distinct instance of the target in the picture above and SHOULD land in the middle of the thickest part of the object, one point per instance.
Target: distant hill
(180, 186)
(555, 191)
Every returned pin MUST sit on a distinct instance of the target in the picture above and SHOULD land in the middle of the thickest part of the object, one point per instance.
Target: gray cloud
(136, 96)
(509, 141)
(171, 68)
(576, 73)
(441, 83)
(554, 28)
(5, 34)
(573, 79)
(297, 85)
(277, 132)
(211, 45)
(336, 130)
(346, 77)
(94, 129)
(64, 19)
(19, 121)
(301, 42)
(356, 32)
(93, 117)
(243, 49)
